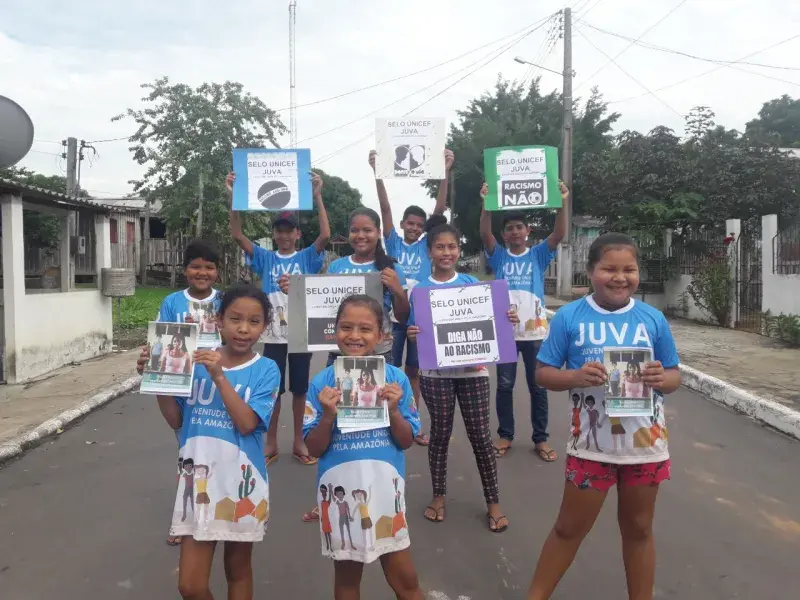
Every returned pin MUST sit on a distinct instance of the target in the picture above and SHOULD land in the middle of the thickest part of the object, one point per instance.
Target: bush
(712, 289)
(783, 327)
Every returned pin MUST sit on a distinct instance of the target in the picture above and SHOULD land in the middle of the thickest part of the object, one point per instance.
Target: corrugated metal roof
(133, 203)
(39, 195)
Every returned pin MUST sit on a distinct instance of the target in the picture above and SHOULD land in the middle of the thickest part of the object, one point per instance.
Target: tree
(185, 132)
(778, 119)
(509, 115)
(340, 200)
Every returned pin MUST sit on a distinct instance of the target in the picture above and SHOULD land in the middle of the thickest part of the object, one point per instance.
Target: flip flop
(501, 451)
(422, 439)
(271, 458)
(304, 459)
(312, 516)
(497, 528)
(438, 514)
(546, 455)
(174, 540)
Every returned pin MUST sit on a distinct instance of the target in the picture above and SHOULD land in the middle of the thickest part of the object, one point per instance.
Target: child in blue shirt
(524, 269)
(272, 268)
(632, 453)
(200, 260)
(411, 252)
(368, 466)
(223, 492)
(469, 386)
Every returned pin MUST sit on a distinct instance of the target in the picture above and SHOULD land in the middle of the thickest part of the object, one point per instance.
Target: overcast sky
(73, 65)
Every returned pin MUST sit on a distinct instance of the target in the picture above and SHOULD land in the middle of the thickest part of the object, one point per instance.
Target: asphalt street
(85, 516)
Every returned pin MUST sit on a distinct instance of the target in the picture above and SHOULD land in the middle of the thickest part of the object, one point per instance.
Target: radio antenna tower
(292, 76)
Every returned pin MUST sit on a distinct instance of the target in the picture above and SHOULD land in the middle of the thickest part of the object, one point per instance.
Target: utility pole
(72, 165)
(201, 182)
(293, 85)
(564, 282)
(144, 252)
(68, 261)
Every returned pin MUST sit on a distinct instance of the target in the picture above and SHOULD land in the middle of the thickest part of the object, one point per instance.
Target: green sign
(521, 177)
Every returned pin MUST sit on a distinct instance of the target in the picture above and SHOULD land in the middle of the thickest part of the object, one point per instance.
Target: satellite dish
(16, 132)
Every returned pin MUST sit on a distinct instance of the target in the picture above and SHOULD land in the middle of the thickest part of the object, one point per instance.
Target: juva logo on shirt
(274, 195)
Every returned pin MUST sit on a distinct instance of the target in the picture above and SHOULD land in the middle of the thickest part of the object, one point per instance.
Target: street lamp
(522, 61)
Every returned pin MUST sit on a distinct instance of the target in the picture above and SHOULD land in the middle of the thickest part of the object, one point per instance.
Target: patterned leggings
(473, 395)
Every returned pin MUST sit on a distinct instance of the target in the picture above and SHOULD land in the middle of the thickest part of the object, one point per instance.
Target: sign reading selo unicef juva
(272, 179)
(521, 177)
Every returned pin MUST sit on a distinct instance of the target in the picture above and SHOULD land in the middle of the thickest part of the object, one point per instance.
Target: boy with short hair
(411, 252)
(200, 261)
(274, 269)
(524, 269)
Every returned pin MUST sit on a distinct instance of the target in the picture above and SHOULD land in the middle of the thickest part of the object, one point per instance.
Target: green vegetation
(141, 308)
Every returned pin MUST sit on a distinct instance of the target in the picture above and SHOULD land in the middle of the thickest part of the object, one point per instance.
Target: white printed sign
(410, 148)
(463, 323)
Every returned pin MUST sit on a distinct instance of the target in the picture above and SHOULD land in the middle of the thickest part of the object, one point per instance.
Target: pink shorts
(585, 474)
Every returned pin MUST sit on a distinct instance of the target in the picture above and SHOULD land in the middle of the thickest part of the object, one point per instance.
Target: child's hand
(390, 279)
(449, 159)
(412, 332)
(513, 316)
(484, 191)
(591, 374)
(564, 190)
(372, 155)
(283, 283)
(211, 360)
(144, 358)
(229, 179)
(653, 374)
(330, 398)
(316, 184)
(391, 393)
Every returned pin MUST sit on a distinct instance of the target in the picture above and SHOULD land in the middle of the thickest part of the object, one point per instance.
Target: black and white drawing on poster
(626, 393)
(323, 295)
(522, 180)
(410, 148)
(464, 326)
(204, 316)
(272, 181)
(360, 379)
(171, 366)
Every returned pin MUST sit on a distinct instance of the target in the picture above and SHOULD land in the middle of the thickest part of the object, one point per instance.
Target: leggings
(473, 395)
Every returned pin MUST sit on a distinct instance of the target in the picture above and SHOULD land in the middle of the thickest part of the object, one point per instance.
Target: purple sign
(464, 325)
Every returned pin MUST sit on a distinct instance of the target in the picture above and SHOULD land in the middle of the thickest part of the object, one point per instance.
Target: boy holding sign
(524, 269)
(411, 252)
(274, 268)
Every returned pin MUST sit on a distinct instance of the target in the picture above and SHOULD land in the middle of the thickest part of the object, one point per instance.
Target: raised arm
(383, 200)
(441, 196)
(485, 226)
(324, 225)
(235, 220)
(562, 219)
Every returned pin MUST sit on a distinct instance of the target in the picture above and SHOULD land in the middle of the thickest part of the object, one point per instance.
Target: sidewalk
(34, 410)
(761, 365)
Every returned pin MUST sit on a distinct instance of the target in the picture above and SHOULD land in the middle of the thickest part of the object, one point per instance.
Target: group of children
(222, 471)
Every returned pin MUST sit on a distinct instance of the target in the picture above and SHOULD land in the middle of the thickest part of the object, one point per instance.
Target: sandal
(501, 451)
(438, 514)
(422, 439)
(312, 516)
(496, 522)
(304, 459)
(271, 458)
(174, 540)
(546, 455)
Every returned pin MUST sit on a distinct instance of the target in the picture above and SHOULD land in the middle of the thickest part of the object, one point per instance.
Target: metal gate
(748, 276)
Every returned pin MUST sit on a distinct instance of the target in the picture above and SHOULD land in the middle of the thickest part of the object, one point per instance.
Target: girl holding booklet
(368, 466)
(580, 331)
(221, 458)
(467, 385)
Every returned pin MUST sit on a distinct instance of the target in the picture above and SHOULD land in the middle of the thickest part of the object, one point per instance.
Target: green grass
(138, 310)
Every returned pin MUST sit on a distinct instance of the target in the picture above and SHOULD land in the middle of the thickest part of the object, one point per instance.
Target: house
(126, 225)
(50, 321)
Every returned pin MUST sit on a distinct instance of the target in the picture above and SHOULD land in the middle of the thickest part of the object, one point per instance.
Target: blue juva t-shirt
(414, 258)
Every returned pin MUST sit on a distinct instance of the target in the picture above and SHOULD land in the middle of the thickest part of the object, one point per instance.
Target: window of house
(114, 231)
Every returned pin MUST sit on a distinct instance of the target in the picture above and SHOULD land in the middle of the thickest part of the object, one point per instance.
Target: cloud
(74, 66)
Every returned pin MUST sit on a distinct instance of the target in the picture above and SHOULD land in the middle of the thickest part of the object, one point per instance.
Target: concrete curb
(19, 445)
(764, 410)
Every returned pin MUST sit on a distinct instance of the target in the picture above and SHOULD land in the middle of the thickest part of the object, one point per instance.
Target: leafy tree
(340, 200)
(778, 119)
(510, 115)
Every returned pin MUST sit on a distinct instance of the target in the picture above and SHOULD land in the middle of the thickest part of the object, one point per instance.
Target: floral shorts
(584, 473)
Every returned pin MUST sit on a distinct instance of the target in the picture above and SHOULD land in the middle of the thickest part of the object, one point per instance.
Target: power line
(588, 10)
(686, 54)
(704, 73)
(643, 86)
(61, 143)
(645, 32)
(497, 54)
(127, 137)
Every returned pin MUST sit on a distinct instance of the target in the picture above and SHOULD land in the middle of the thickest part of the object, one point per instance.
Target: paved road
(82, 520)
